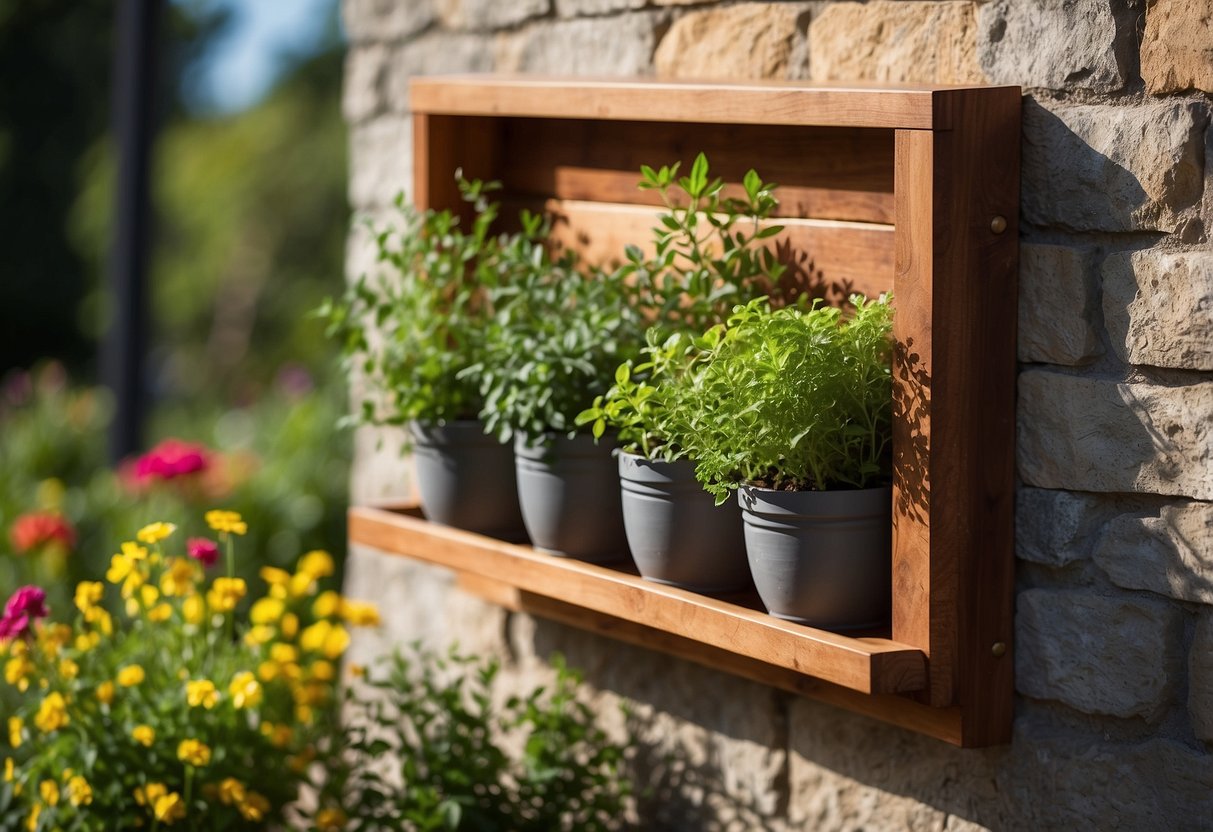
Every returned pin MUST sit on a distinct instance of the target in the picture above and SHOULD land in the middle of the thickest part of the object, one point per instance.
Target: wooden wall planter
(909, 189)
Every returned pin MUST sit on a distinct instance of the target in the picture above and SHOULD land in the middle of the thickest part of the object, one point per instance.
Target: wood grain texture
(867, 665)
(790, 103)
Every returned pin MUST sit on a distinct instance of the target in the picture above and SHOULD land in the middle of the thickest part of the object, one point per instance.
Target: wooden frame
(913, 189)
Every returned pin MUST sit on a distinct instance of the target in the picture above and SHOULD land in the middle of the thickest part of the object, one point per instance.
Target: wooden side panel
(973, 412)
(827, 259)
(444, 144)
(825, 173)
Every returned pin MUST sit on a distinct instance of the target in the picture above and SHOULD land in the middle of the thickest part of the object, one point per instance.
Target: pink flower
(26, 606)
(36, 529)
(171, 459)
(202, 549)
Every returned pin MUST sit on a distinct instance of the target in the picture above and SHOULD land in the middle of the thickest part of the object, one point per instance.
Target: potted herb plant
(553, 344)
(410, 332)
(793, 409)
(707, 256)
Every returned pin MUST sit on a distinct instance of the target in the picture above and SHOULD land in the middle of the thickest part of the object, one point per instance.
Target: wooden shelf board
(922, 107)
(600, 598)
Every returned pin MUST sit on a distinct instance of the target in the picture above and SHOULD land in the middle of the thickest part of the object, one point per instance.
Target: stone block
(1093, 434)
(1200, 678)
(365, 91)
(1169, 552)
(751, 40)
(386, 20)
(1054, 527)
(481, 15)
(437, 53)
(1101, 655)
(886, 40)
(1158, 307)
(1054, 44)
(1177, 46)
(1098, 167)
(1058, 299)
(381, 161)
(610, 46)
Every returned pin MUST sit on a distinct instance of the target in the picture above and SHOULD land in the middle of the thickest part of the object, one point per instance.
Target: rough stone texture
(1158, 308)
(1111, 168)
(1054, 527)
(610, 46)
(585, 8)
(365, 82)
(895, 41)
(480, 15)
(386, 20)
(1169, 552)
(1058, 296)
(752, 40)
(1102, 655)
(1177, 47)
(1090, 434)
(1056, 44)
(1200, 678)
(437, 53)
(381, 158)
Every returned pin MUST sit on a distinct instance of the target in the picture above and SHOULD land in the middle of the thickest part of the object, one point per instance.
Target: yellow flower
(178, 577)
(280, 736)
(231, 791)
(149, 595)
(201, 694)
(52, 713)
(360, 613)
(259, 635)
(155, 532)
(331, 820)
(225, 594)
(254, 807)
(193, 752)
(318, 564)
(123, 565)
(149, 794)
(283, 653)
(87, 641)
(131, 675)
(268, 671)
(226, 522)
(289, 626)
(88, 595)
(303, 713)
(277, 579)
(32, 823)
(17, 670)
(145, 735)
(324, 637)
(193, 609)
(327, 604)
(9, 773)
(105, 692)
(267, 611)
(323, 671)
(15, 726)
(160, 613)
(169, 809)
(301, 584)
(68, 669)
(245, 690)
(79, 792)
(49, 791)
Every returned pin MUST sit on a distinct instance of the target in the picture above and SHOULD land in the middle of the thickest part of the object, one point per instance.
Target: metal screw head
(998, 224)
(999, 649)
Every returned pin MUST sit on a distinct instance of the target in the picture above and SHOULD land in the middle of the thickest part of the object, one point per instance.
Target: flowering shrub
(153, 707)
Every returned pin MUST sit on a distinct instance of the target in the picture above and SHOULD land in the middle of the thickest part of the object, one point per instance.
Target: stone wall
(1114, 626)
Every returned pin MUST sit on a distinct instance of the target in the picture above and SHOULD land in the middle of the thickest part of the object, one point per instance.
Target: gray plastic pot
(569, 493)
(822, 558)
(466, 479)
(677, 534)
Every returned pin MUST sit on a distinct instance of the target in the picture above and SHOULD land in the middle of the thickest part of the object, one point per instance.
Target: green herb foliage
(794, 398)
(435, 716)
(412, 329)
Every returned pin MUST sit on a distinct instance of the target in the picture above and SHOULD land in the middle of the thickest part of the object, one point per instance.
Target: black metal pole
(125, 342)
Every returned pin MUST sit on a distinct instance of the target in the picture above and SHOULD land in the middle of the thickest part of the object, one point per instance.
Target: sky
(244, 62)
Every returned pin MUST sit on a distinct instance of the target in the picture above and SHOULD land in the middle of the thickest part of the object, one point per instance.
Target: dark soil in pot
(569, 492)
(821, 558)
(675, 531)
(466, 479)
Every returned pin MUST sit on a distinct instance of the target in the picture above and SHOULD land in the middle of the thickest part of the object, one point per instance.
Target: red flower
(26, 606)
(203, 550)
(35, 529)
(171, 459)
